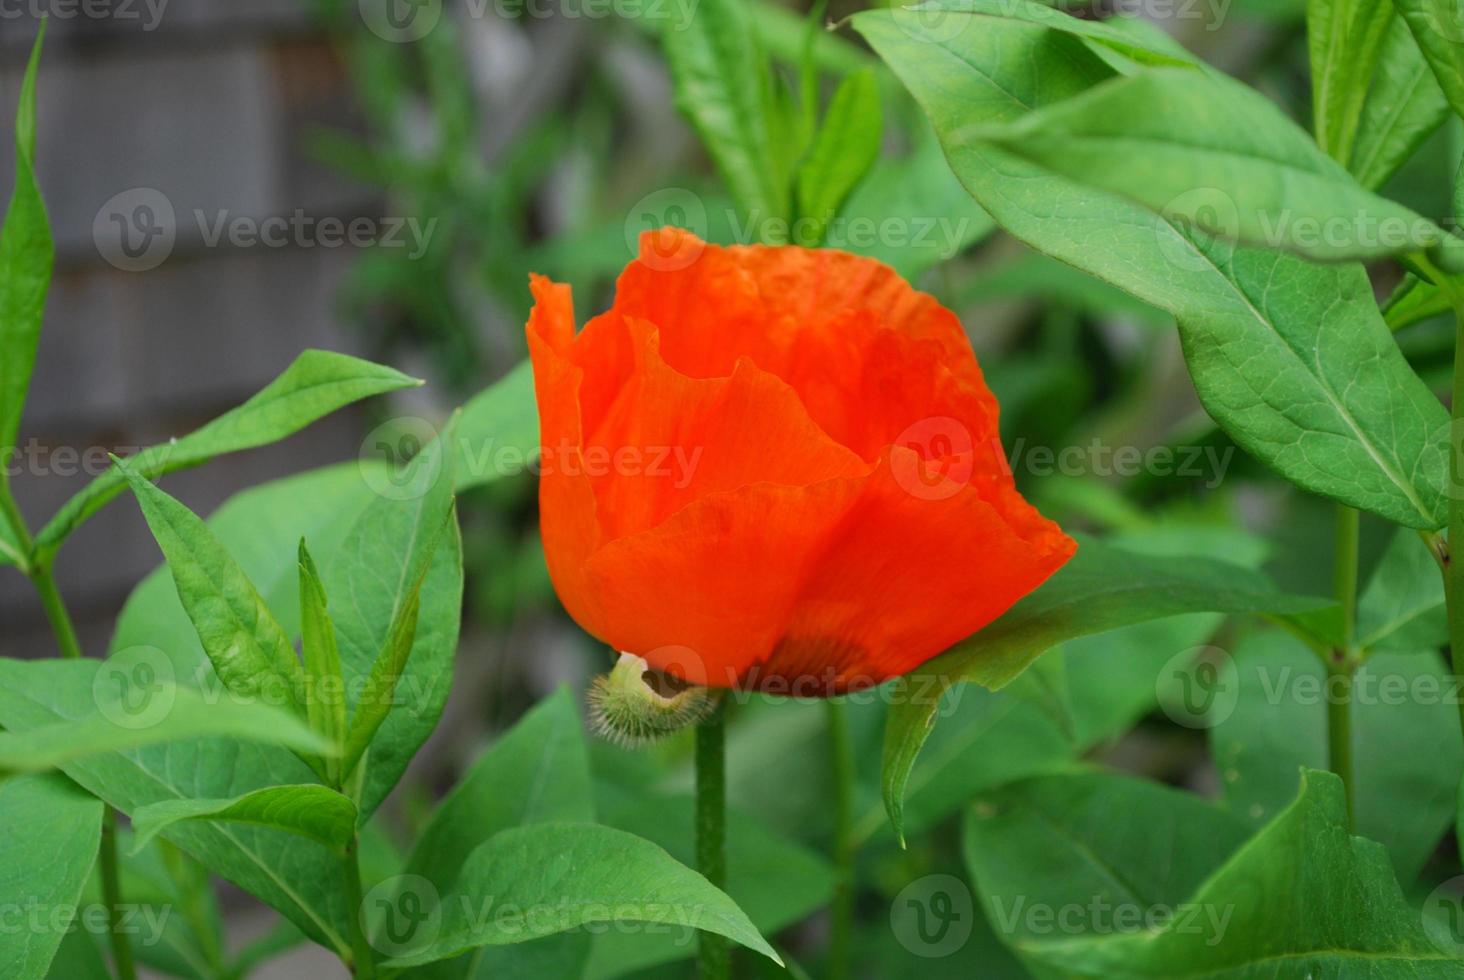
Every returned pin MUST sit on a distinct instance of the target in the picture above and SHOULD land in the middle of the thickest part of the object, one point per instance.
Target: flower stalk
(713, 953)
(841, 751)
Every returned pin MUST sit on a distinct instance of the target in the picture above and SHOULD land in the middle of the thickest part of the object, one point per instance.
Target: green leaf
(1304, 899)
(1404, 106)
(984, 739)
(1404, 798)
(919, 195)
(79, 958)
(26, 257)
(1211, 151)
(777, 882)
(326, 705)
(135, 708)
(1101, 588)
(538, 771)
(546, 878)
(1344, 40)
(52, 832)
(1402, 607)
(1439, 31)
(724, 86)
(1275, 344)
(1413, 302)
(249, 650)
(314, 385)
(1051, 843)
(954, 19)
(313, 812)
(11, 553)
(295, 876)
(498, 431)
(843, 151)
(384, 566)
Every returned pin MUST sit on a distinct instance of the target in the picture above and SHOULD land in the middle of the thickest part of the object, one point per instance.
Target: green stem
(841, 748)
(1454, 570)
(55, 607)
(363, 959)
(1339, 727)
(1344, 570)
(40, 575)
(112, 896)
(713, 953)
(1342, 662)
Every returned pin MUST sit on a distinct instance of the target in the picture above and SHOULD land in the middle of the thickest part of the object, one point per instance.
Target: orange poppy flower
(776, 468)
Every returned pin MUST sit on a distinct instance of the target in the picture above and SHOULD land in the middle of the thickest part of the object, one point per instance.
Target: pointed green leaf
(1413, 302)
(723, 85)
(326, 705)
(52, 832)
(498, 431)
(946, 221)
(314, 385)
(297, 877)
(1403, 797)
(1100, 589)
(387, 615)
(1439, 31)
(952, 19)
(135, 709)
(249, 650)
(845, 148)
(1344, 42)
(547, 878)
(1211, 151)
(313, 812)
(1275, 345)
(1051, 842)
(1402, 607)
(775, 880)
(1303, 898)
(1404, 106)
(538, 771)
(26, 256)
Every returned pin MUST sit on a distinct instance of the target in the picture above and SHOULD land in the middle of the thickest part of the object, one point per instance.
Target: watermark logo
(401, 21)
(1197, 230)
(933, 916)
(408, 446)
(941, 460)
(671, 206)
(1198, 687)
(136, 229)
(931, 23)
(1443, 916)
(134, 688)
(402, 915)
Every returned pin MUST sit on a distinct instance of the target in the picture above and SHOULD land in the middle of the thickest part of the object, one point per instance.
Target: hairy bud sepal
(636, 704)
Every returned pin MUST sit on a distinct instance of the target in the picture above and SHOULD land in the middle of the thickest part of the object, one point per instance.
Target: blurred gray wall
(209, 106)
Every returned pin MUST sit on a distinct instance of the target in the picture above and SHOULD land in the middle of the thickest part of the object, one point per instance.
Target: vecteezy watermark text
(137, 230)
(148, 13)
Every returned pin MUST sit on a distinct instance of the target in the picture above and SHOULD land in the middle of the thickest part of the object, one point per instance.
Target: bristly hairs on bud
(635, 704)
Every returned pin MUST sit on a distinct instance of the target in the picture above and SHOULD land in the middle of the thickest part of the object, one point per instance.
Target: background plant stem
(1454, 570)
(841, 750)
(713, 953)
(1342, 662)
(112, 896)
(363, 961)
